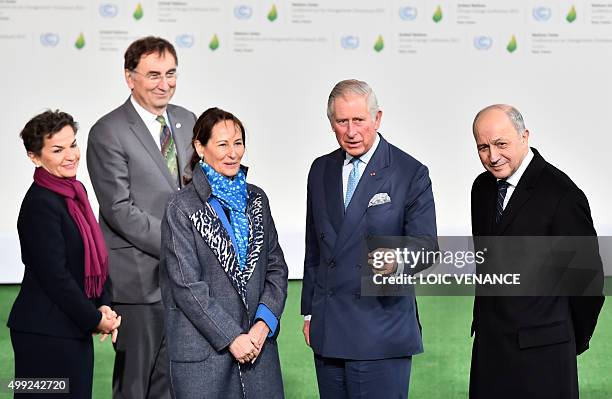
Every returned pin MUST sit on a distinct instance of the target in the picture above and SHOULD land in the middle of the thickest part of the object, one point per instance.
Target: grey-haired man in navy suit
(363, 345)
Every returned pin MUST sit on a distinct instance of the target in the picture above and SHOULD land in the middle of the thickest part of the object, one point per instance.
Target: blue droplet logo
(408, 13)
(49, 39)
(108, 10)
(483, 42)
(541, 13)
(184, 41)
(243, 12)
(349, 42)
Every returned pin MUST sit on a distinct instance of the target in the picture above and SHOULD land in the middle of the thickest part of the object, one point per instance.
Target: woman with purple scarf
(63, 299)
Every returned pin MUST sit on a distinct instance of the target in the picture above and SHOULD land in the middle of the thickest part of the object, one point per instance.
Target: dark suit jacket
(525, 347)
(133, 185)
(345, 324)
(52, 298)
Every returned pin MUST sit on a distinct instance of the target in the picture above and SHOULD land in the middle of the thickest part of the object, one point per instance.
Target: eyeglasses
(156, 78)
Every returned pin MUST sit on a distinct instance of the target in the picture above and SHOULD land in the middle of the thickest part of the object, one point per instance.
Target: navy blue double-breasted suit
(344, 323)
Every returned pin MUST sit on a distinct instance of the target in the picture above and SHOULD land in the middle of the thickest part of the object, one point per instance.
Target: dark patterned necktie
(502, 188)
(168, 149)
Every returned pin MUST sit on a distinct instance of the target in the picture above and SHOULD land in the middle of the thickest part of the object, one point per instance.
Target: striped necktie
(502, 188)
(168, 149)
(353, 180)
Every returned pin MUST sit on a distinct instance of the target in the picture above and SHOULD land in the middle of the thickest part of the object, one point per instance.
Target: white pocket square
(379, 199)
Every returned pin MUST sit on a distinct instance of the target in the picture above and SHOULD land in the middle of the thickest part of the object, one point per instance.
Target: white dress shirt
(516, 177)
(150, 121)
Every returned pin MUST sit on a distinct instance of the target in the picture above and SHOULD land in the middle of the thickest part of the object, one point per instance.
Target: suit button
(332, 264)
(358, 266)
(330, 293)
(322, 235)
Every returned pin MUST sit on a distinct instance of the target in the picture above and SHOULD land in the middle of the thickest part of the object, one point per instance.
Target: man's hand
(258, 333)
(306, 331)
(243, 349)
(378, 261)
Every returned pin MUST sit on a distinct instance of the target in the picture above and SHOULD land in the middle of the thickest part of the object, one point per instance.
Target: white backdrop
(273, 64)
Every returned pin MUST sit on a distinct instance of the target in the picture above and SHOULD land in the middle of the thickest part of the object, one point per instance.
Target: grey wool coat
(201, 287)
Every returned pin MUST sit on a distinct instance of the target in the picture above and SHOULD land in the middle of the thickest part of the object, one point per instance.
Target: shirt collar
(365, 158)
(516, 176)
(145, 115)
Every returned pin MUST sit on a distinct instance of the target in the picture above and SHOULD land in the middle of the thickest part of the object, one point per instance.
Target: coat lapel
(333, 189)
(256, 233)
(373, 177)
(141, 132)
(522, 192)
(487, 204)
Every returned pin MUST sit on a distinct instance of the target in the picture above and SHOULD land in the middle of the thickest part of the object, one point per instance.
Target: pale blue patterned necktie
(353, 180)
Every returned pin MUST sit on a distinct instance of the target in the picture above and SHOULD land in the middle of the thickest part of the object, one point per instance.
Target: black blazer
(526, 347)
(52, 298)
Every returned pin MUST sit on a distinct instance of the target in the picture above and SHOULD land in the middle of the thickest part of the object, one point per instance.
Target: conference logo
(571, 15)
(214, 43)
(108, 10)
(437, 16)
(138, 13)
(379, 45)
(49, 39)
(483, 42)
(184, 41)
(512, 45)
(349, 42)
(273, 14)
(408, 13)
(243, 12)
(541, 14)
(80, 42)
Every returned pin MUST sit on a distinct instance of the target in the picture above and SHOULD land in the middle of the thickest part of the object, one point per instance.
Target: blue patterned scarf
(232, 194)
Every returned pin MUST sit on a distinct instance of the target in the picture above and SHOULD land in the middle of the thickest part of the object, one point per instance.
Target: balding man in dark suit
(526, 346)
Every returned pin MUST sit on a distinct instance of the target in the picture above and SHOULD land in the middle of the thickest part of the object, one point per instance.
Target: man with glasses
(135, 155)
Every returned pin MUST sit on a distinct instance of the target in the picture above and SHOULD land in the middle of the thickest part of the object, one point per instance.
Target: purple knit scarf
(96, 255)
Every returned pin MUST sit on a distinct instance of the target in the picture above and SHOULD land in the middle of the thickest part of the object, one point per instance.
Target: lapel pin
(178, 125)
(372, 173)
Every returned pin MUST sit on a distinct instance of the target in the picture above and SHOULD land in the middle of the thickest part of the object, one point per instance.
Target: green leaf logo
(273, 14)
(571, 15)
(80, 42)
(214, 43)
(511, 47)
(380, 44)
(437, 17)
(138, 12)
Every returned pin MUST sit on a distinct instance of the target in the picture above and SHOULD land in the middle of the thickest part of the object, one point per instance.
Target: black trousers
(141, 361)
(43, 356)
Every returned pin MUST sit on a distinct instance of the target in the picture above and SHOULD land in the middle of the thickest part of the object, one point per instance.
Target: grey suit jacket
(205, 307)
(133, 185)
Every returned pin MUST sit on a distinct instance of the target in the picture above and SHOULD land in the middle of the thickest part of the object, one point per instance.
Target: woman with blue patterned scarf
(223, 275)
